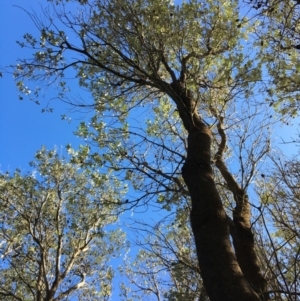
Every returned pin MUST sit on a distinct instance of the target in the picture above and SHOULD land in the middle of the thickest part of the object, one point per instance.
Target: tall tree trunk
(221, 273)
(220, 270)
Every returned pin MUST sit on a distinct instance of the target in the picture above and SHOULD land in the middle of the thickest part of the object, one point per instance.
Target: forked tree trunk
(220, 270)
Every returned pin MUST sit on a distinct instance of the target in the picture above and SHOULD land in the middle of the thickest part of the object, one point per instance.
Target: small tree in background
(279, 227)
(53, 242)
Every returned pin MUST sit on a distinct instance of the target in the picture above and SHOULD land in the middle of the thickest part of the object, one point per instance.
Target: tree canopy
(54, 245)
(184, 99)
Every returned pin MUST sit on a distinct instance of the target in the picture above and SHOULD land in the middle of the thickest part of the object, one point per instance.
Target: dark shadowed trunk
(221, 272)
(222, 276)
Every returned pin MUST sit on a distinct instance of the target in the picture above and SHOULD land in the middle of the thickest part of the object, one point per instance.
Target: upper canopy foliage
(127, 54)
(125, 47)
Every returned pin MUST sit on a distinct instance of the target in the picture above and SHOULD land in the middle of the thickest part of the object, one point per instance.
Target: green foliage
(133, 48)
(281, 200)
(279, 42)
(52, 230)
(126, 54)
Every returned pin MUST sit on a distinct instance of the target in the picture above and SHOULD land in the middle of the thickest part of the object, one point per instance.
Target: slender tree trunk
(221, 273)
(243, 242)
(240, 227)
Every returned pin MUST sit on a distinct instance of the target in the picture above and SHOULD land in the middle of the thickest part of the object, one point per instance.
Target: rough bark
(220, 270)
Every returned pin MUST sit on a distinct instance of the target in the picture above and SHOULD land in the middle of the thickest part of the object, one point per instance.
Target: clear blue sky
(23, 128)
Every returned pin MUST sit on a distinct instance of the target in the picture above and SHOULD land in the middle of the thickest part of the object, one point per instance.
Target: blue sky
(23, 128)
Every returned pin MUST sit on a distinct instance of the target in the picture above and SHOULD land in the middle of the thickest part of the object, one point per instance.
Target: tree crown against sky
(279, 38)
(54, 239)
(146, 45)
(197, 75)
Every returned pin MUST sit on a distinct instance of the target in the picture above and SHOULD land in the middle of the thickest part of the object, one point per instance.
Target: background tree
(279, 227)
(165, 267)
(54, 245)
(279, 39)
(189, 69)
